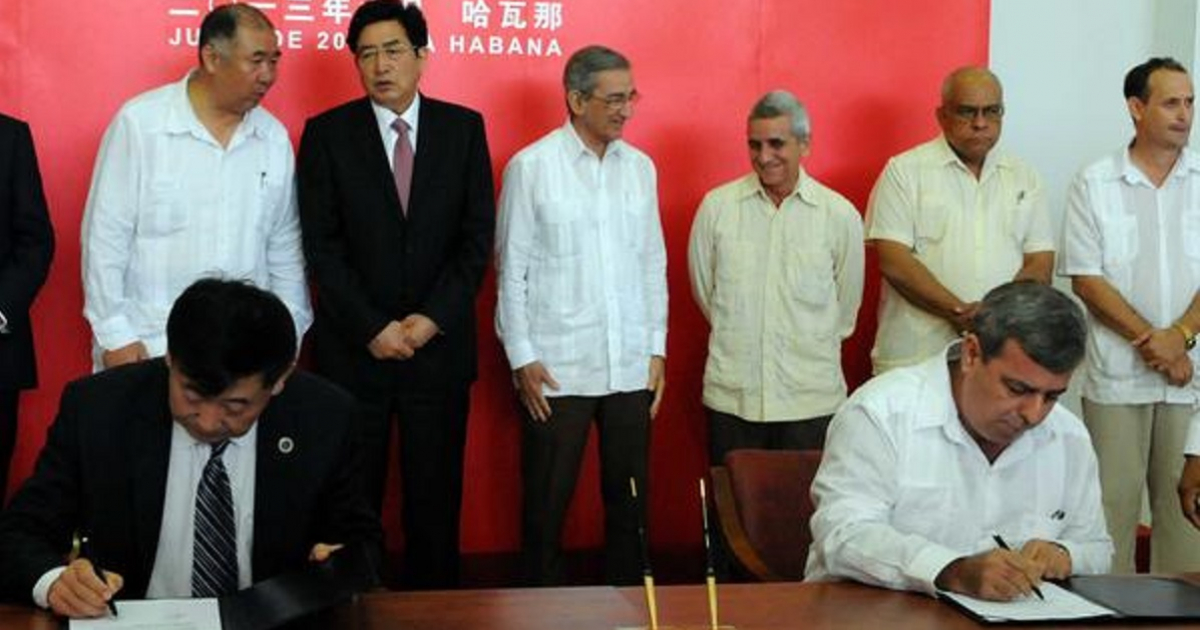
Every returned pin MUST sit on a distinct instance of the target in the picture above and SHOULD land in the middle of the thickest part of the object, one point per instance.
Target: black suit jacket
(26, 247)
(372, 263)
(104, 468)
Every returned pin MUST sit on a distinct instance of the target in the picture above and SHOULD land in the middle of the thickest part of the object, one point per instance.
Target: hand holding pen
(84, 589)
(1003, 545)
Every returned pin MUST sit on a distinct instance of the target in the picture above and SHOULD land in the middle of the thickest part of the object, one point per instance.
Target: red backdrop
(868, 70)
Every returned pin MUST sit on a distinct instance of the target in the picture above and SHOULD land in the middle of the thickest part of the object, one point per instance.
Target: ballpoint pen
(85, 552)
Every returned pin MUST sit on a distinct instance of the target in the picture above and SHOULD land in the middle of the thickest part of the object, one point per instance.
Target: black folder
(295, 597)
(1141, 596)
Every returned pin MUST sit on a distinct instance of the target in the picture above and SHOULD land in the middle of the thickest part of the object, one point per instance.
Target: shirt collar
(410, 115)
(1188, 161)
(995, 159)
(805, 190)
(577, 148)
(181, 437)
(182, 118)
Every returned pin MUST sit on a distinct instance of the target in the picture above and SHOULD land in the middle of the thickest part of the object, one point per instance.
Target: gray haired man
(776, 262)
(582, 310)
(928, 466)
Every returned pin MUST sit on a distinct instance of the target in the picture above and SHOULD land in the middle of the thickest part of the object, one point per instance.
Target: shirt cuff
(928, 564)
(41, 590)
(520, 354)
(114, 332)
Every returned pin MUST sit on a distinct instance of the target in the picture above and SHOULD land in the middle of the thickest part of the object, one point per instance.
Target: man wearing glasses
(397, 208)
(582, 311)
(951, 219)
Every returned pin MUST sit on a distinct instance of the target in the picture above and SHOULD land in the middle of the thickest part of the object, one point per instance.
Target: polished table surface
(822, 606)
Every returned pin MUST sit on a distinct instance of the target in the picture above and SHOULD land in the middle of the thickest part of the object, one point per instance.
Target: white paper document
(1059, 604)
(158, 614)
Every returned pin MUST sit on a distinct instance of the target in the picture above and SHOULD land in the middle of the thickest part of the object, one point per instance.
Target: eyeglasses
(391, 53)
(968, 113)
(617, 102)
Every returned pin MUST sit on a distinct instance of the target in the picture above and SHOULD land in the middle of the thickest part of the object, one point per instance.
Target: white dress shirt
(171, 577)
(169, 205)
(903, 490)
(581, 264)
(780, 287)
(972, 235)
(1145, 241)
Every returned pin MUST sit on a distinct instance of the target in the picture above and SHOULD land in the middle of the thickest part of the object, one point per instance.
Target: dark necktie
(214, 559)
(403, 163)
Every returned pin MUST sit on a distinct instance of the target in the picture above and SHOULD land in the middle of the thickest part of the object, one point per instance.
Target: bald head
(971, 114)
(966, 77)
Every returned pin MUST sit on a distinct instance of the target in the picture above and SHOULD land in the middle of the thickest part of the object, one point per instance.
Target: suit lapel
(272, 487)
(151, 452)
(368, 144)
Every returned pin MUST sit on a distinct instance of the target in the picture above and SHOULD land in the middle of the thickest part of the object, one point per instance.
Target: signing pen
(1003, 545)
(85, 552)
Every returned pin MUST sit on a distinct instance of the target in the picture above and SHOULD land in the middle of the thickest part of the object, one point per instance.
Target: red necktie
(403, 163)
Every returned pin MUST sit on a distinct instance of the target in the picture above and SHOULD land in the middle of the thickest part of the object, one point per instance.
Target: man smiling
(926, 465)
(776, 262)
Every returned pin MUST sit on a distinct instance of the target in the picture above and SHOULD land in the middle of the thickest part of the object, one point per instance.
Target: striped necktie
(214, 558)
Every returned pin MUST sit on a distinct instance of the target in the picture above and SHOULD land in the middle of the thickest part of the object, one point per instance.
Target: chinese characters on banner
(494, 28)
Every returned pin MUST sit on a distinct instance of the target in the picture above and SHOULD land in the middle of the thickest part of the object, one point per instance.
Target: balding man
(193, 179)
(951, 219)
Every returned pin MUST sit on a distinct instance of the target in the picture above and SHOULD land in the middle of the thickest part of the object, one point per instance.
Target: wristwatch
(1189, 337)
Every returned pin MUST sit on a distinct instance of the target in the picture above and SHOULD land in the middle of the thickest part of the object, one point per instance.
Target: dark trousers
(551, 453)
(8, 435)
(433, 435)
(727, 432)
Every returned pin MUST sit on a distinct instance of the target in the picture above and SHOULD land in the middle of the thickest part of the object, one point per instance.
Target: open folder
(1130, 597)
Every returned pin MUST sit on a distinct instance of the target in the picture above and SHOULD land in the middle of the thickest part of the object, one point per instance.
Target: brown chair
(763, 507)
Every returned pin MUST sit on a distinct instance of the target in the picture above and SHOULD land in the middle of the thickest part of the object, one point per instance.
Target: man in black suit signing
(397, 210)
(195, 475)
(26, 247)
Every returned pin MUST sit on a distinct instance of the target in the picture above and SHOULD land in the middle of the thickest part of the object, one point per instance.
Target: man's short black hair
(372, 11)
(221, 331)
(1137, 80)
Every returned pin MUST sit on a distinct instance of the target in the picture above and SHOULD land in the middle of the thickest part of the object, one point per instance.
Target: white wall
(1063, 64)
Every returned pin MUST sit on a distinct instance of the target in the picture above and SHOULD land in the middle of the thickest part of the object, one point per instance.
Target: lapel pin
(286, 445)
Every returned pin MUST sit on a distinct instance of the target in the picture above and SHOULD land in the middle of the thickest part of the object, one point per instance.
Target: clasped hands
(1164, 351)
(1003, 575)
(78, 592)
(400, 340)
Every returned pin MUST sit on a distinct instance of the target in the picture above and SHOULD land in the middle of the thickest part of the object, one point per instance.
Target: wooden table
(823, 606)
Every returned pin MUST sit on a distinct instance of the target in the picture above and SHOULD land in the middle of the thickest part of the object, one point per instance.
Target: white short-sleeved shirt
(1145, 241)
(972, 234)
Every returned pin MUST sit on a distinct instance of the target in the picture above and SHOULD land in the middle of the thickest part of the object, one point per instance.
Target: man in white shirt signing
(582, 311)
(927, 467)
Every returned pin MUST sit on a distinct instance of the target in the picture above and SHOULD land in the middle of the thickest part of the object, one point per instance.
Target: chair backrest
(771, 490)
